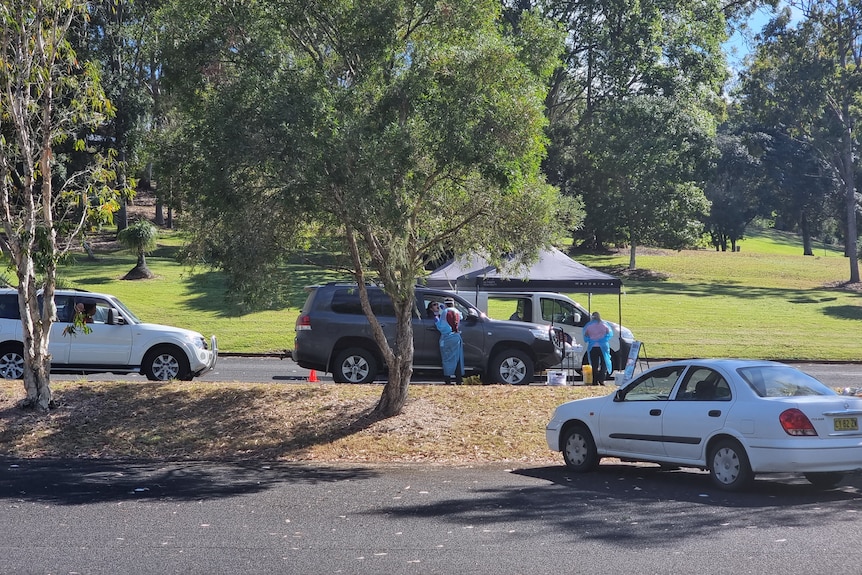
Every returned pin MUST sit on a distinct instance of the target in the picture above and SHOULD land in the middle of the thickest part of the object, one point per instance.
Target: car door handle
(714, 413)
(655, 412)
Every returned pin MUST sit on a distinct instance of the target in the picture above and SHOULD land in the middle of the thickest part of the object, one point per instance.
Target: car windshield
(127, 313)
(782, 381)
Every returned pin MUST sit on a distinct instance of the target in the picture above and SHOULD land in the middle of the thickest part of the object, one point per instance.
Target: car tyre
(826, 480)
(579, 448)
(166, 363)
(513, 367)
(354, 365)
(12, 361)
(729, 468)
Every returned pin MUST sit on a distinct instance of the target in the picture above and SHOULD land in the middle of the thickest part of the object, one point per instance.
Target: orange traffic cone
(312, 376)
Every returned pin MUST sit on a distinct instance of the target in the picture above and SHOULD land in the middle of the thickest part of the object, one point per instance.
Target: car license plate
(846, 424)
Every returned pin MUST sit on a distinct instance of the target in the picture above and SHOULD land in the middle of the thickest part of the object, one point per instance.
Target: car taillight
(795, 422)
(303, 323)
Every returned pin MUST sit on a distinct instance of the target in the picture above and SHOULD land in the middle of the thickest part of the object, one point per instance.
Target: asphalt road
(152, 518)
(274, 370)
(133, 517)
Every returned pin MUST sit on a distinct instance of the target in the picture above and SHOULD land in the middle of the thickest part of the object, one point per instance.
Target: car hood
(167, 329)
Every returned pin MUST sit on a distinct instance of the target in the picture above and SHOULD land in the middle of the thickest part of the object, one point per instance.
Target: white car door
(106, 344)
(633, 425)
(698, 410)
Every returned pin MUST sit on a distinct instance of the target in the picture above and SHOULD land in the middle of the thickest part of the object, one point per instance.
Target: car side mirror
(576, 319)
(619, 395)
(114, 318)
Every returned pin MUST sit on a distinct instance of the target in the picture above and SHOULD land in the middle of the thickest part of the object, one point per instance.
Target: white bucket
(620, 379)
(556, 378)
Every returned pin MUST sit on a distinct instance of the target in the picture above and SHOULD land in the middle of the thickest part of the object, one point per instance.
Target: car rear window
(782, 381)
(346, 300)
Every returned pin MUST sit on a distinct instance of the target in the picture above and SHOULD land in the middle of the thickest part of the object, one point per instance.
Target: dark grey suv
(333, 335)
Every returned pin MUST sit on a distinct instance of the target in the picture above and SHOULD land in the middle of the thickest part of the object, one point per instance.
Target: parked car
(735, 418)
(118, 341)
(558, 310)
(334, 335)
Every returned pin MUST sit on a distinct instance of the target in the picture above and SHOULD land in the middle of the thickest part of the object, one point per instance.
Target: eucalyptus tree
(51, 182)
(122, 36)
(401, 129)
(617, 50)
(736, 188)
(651, 155)
(806, 189)
(805, 80)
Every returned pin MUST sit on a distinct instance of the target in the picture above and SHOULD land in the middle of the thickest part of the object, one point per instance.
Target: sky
(738, 47)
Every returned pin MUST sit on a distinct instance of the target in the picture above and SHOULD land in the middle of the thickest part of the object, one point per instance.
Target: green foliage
(804, 82)
(420, 127)
(621, 56)
(737, 188)
(139, 237)
(647, 157)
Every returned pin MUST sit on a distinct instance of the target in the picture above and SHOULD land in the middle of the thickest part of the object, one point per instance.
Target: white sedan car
(735, 418)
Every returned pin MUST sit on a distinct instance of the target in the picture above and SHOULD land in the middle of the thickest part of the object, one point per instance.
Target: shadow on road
(637, 506)
(693, 485)
(65, 482)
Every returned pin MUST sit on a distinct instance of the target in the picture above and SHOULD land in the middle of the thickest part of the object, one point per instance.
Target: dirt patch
(844, 286)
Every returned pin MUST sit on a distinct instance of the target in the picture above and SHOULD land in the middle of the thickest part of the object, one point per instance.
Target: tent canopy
(554, 271)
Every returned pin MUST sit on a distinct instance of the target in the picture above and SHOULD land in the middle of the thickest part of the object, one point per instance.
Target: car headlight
(626, 334)
(543, 334)
(199, 342)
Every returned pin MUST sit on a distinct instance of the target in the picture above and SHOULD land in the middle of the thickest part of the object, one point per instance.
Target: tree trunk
(807, 248)
(121, 217)
(400, 360)
(849, 178)
(37, 364)
(37, 382)
(140, 271)
(160, 213)
(400, 366)
(632, 255)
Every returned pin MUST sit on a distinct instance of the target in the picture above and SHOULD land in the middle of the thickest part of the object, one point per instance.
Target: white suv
(118, 341)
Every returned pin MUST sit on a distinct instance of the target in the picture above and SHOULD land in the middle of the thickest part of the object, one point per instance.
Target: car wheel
(166, 363)
(579, 449)
(824, 480)
(12, 362)
(513, 367)
(354, 365)
(729, 468)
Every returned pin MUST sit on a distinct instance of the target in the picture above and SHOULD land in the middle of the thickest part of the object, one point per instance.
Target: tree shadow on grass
(175, 422)
(286, 289)
(851, 312)
(792, 295)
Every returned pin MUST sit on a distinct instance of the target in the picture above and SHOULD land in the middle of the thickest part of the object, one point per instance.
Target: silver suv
(333, 335)
(118, 341)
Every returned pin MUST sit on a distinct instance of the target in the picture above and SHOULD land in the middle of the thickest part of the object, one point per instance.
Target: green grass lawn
(767, 300)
